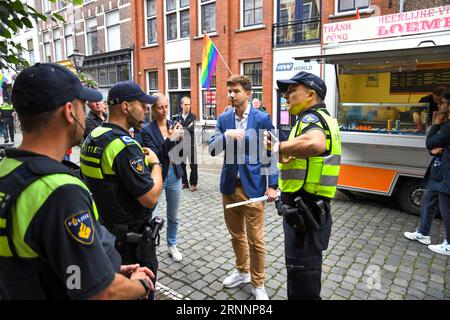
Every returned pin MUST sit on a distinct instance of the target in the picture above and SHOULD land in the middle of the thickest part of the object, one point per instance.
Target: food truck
(376, 70)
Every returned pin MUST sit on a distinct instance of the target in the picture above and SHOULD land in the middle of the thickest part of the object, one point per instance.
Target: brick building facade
(102, 32)
(245, 45)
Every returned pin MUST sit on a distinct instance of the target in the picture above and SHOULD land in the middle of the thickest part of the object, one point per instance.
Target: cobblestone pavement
(368, 256)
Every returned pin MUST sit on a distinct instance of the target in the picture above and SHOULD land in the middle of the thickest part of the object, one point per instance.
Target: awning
(384, 61)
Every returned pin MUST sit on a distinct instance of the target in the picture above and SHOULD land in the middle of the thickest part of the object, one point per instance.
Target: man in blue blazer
(239, 133)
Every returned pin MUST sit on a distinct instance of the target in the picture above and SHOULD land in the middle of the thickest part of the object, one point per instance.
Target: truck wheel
(410, 196)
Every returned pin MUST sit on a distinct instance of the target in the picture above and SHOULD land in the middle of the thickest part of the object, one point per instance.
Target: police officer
(308, 173)
(7, 116)
(124, 181)
(51, 244)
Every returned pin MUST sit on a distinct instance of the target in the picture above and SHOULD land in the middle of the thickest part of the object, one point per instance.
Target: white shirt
(242, 123)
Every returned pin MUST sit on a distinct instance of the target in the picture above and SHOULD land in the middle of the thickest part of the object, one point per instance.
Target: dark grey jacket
(439, 137)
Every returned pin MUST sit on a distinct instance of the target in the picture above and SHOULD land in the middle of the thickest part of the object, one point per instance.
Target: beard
(134, 122)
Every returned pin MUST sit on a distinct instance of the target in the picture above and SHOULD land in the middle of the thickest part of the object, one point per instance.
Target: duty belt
(303, 217)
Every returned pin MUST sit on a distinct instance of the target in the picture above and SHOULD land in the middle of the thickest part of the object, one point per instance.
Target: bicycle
(202, 136)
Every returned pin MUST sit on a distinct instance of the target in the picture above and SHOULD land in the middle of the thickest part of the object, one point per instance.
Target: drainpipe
(402, 6)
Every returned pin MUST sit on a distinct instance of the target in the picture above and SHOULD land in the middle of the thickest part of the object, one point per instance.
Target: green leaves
(16, 16)
(87, 80)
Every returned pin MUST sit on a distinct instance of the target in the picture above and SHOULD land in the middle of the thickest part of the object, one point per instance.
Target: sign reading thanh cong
(393, 25)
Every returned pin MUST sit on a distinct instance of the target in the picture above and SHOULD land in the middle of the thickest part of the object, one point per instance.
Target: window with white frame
(209, 99)
(208, 16)
(91, 35)
(30, 48)
(177, 10)
(185, 78)
(47, 47)
(152, 78)
(150, 16)
(112, 30)
(178, 86)
(252, 12)
(253, 70)
(57, 44)
(172, 77)
(68, 39)
(46, 6)
(350, 5)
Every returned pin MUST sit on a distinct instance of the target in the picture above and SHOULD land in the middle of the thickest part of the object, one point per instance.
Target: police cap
(308, 80)
(128, 91)
(46, 86)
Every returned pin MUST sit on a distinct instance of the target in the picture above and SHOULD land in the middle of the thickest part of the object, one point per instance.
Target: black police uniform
(55, 236)
(116, 194)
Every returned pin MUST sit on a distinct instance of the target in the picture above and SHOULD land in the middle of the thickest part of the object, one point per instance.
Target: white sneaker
(416, 235)
(175, 254)
(443, 248)
(260, 293)
(236, 279)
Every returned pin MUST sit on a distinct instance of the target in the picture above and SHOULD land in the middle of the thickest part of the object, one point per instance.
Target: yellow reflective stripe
(4, 247)
(90, 159)
(30, 201)
(97, 132)
(8, 165)
(2, 223)
(91, 172)
(110, 153)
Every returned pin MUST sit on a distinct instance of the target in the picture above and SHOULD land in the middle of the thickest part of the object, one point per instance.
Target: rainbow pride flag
(209, 61)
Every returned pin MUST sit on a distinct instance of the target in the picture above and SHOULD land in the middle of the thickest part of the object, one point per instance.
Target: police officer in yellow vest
(51, 244)
(308, 172)
(7, 117)
(125, 182)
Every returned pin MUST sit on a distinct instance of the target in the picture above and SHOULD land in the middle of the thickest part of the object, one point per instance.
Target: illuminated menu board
(420, 80)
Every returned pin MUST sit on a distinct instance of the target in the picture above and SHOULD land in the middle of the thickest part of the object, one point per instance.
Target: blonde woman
(161, 135)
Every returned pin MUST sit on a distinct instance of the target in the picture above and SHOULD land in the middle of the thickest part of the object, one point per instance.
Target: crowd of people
(105, 217)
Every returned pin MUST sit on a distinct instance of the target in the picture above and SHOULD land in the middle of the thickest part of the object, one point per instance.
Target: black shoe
(6, 141)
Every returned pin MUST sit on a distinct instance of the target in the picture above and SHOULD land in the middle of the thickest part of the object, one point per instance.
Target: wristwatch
(146, 286)
(151, 164)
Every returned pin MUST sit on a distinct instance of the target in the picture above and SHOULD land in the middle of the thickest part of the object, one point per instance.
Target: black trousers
(303, 255)
(192, 157)
(8, 127)
(129, 256)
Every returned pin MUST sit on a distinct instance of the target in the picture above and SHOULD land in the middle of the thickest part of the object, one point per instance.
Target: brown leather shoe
(185, 186)
(193, 188)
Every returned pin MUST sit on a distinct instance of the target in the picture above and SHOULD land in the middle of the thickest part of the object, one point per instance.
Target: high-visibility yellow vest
(32, 189)
(99, 151)
(115, 204)
(6, 107)
(316, 175)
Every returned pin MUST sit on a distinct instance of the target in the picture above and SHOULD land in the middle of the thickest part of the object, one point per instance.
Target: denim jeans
(430, 206)
(444, 207)
(172, 188)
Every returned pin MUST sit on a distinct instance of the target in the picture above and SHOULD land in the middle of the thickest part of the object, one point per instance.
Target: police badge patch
(310, 118)
(137, 165)
(81, 227)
